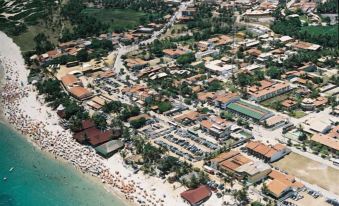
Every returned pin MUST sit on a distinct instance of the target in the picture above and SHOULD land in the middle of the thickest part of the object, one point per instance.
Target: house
(222, 100)
(220, 68)
(275, 121)
(249, 111)
(109, 148)
(93, 136)
(253, 52)
(267, 152)
(289, 104)
(80, 93)
(285, 39)
(229, 161)
(216, 126)
(190, 117)
(173, 53)
(281, 185)
(197, 196)
(331, 142)
(253, 171)
(205, 96)
(305, 46)
(70, 80)
(74, 86)
(136, 63)
(209, 52)
(267, 89)
(311, 104)
(139, 91)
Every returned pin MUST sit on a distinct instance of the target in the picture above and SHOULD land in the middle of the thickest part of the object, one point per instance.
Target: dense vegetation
(83, 24)
(24, 14)
(205, 25)
(55, 96)
(330, 6)
(312, 34)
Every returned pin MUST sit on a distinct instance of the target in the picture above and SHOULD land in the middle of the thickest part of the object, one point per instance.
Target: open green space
(298, 114)
(321, 30)
(26, 40)
(117, 18)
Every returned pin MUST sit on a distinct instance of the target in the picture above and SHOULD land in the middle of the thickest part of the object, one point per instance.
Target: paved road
(118, 65)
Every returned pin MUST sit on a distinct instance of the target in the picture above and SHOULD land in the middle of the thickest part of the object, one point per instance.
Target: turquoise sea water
(38, 180)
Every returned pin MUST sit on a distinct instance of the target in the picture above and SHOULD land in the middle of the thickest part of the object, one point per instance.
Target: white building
(221, 68)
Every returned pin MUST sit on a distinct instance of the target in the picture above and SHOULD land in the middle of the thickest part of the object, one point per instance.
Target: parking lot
(306, 200)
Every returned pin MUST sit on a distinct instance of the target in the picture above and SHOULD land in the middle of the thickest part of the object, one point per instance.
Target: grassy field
(117, 18)
(310, 171)
(26, 40)
(299, 114)
(317, 30)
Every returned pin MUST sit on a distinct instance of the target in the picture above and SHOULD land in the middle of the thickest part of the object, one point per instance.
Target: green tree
(138, 123)
(274, 72)
(42, 43)
(100, 121)
(164, 106)
(186, 58)
(82, 55)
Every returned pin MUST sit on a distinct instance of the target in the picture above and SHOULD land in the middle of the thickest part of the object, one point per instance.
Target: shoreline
(26, 112)
(5, 119)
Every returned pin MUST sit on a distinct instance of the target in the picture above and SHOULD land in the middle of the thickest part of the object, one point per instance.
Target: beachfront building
(267, 152)
(197, 196)
(267, 89)
(109, 148)
(249, 111)
(73, 85)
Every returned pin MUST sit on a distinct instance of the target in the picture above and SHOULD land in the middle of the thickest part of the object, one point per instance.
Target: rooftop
(327, 140)
(197, 195)
(248, 109)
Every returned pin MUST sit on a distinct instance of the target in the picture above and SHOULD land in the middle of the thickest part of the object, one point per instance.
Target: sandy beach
(24, 110)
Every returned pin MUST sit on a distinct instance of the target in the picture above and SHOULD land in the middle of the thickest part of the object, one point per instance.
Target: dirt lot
(310, 171)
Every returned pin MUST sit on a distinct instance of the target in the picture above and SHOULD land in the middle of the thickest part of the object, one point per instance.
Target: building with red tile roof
(80, 93)
(281, 184)
(267, 89)
(94, 136)
(222, 100)
(229, 161)
(328, 140)
(197, 196)
(267, 152)
(216, 126)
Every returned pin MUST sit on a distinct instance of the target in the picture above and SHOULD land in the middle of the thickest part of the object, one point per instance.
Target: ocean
(38, 180)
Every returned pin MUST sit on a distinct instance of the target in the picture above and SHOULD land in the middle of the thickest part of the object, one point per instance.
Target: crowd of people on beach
(59, 142)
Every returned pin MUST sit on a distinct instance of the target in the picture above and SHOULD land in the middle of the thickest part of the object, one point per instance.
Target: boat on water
(12, 168)
(5, 178)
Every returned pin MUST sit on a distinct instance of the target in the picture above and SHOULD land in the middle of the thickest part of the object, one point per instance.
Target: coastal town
(209, 102)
